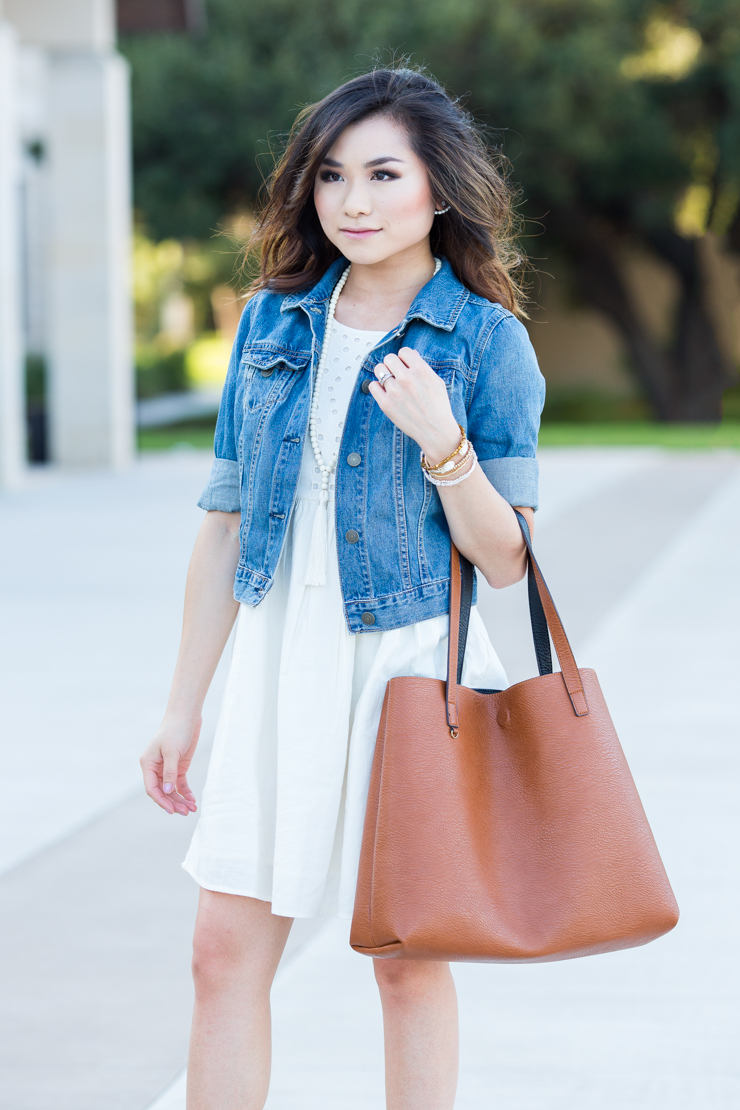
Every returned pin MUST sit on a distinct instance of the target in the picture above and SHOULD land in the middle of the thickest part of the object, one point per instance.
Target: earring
(441, 211)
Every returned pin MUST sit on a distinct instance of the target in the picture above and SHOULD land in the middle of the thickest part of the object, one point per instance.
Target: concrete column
(12, 415)
(87, 313)
(91, 397)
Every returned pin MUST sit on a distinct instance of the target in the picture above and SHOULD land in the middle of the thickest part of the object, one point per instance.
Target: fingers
(399, 365)
(186, 794)
(383, 374)
(170, 769)
(178, 799)
(411, 358)
(378, 393)
(154, 789)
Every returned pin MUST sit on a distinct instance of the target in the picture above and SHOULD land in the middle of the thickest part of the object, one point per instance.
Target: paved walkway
(640, 548)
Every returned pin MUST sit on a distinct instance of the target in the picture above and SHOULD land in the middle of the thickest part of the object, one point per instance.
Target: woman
(382, 334)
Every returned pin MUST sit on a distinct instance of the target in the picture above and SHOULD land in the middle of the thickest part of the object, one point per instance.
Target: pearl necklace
(326, 469)
(315, 574)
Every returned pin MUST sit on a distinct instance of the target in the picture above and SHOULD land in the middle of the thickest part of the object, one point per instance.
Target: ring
(385, 377)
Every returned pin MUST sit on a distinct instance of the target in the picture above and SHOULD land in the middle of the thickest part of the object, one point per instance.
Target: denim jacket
(398, 572)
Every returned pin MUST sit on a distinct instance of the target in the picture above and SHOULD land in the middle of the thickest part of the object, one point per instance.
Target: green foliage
(548, 75)
(35, 379)
(159, 371)
(578, 405)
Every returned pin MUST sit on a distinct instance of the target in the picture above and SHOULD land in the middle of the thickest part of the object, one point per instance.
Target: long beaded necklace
(316, 566)
(326, 469)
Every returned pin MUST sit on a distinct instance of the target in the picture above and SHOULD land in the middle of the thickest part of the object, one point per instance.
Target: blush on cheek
(409, 205)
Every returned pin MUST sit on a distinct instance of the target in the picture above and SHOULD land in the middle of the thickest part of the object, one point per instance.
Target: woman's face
(372, 193)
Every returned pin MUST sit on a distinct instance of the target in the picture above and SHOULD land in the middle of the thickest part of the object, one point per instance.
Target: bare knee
(237, 943)
(406, 980)
(217, 954)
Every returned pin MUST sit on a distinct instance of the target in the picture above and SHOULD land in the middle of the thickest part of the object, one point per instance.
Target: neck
(378, 296)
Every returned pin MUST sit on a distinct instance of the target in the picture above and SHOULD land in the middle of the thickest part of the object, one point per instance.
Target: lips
(359, 232)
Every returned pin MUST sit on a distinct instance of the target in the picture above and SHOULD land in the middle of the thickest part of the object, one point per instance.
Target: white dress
(284, 803)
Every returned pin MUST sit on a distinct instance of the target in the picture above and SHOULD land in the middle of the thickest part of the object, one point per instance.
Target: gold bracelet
(454, 481)
(426, 465)
(447, 471)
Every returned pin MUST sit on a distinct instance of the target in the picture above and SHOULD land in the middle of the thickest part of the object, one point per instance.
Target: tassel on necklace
(318, 547)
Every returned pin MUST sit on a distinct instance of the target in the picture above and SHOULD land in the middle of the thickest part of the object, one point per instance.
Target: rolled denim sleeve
(223, 492)
(504, 414)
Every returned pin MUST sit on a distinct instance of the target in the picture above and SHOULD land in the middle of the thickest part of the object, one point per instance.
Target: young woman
(382, 396)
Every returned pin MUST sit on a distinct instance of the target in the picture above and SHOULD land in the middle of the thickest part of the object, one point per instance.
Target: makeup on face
(373, 207)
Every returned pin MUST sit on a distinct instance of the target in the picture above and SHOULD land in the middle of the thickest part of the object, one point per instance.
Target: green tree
(622, 118)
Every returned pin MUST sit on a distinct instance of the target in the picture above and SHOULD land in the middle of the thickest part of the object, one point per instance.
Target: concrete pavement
(640, 549)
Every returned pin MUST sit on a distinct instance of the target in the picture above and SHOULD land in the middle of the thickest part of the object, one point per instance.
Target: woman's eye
(384, 175)
(328, 175)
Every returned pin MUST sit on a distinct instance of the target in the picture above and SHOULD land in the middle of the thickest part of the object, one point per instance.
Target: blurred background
(621, 119)
(134, 139)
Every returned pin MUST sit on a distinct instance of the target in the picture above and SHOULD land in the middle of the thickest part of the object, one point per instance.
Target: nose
(357, 200)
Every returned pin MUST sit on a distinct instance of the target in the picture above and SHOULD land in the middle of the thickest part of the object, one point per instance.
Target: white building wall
(12, 420)
(91, 403)
(34, 125)
(76, 223)
(65, 24)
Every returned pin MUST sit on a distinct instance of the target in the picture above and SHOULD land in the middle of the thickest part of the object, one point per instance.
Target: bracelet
(452, 481)
(450, 469)
(426, 465)
(445, 470)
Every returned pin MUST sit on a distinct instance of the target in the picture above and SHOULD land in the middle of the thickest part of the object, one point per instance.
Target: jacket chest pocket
(266, 374)
(451, 371)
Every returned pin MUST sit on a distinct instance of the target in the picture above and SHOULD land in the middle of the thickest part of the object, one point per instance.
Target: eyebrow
(368, 165)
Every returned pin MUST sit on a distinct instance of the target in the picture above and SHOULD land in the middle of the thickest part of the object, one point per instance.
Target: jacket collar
(439, 302)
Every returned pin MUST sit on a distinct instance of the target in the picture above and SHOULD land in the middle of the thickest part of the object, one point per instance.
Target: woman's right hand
(165, 763)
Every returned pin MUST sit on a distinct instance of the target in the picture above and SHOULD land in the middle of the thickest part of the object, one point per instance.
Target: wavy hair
(476, 235)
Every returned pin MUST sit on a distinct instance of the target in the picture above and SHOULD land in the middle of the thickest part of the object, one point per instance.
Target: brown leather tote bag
(505, 825)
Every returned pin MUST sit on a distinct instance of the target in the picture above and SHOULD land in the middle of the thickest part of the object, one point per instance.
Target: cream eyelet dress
(284, 804)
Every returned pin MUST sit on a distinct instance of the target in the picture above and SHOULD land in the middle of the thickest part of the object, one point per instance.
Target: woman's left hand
(416, 400)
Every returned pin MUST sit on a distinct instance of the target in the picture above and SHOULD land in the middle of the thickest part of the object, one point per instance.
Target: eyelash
(329, 175)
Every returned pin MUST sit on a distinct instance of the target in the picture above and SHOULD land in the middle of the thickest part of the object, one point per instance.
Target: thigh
(238, 935)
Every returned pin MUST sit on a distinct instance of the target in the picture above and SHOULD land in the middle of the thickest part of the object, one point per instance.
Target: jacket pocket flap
(267, 357)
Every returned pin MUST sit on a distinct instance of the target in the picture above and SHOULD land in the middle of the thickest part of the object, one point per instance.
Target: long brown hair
(476, 235)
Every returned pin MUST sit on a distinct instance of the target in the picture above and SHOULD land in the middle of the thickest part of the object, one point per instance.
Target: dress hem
(220, 889)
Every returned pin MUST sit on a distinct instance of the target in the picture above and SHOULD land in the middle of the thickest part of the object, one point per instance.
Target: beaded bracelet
(426, 465)
(452, 481)
(448, 470)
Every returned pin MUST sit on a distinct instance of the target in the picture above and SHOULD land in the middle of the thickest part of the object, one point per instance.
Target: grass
(572, 418)
(199, 433)
(643, 434)
(190, 433)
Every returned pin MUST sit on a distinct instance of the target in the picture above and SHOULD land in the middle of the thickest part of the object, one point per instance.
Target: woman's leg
(421, 1036)
(236, 950)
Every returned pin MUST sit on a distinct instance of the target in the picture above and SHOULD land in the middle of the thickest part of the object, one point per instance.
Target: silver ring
(386, 376)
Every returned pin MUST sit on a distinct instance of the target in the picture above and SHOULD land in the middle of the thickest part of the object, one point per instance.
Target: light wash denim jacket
(398, 572)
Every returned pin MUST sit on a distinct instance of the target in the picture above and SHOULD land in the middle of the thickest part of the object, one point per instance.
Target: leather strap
(455, 651)
(543, 616)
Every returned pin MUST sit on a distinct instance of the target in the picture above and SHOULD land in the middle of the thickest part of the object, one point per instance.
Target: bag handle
(544, 618)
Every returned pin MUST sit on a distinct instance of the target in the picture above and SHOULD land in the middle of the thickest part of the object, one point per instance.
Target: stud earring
(441, 211)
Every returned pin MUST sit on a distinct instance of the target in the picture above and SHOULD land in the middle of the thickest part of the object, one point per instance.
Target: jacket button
(266, 373)
(365, 387)
(354, 459)
(352, 536)
(368, 618)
